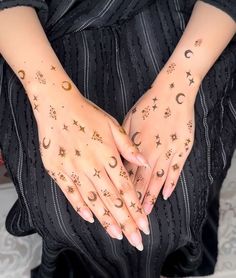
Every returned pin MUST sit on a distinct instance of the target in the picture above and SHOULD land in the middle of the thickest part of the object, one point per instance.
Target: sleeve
(228, 6)
(40, 6)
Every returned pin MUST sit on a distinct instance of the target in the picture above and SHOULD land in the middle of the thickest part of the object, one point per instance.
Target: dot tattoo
(123, 173)
(75, 179)
(97, 137)
(171, 68)
(21, 74)
(145, 112)
(168, 154)
(106, 193)
(172, 85)
(52, 113)
(167, 113)
(190, 126)
(105, 225)
(40, 77)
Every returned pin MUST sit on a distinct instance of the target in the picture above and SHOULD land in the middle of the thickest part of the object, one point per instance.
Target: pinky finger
(172, 177)
(73, 195)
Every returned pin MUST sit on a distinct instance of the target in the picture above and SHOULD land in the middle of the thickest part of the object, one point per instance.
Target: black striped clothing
(113, 50)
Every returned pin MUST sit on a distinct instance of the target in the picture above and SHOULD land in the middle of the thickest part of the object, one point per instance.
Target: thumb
(126, 147)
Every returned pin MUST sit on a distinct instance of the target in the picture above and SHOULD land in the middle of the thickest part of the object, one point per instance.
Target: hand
(161, 124)
(80, 145)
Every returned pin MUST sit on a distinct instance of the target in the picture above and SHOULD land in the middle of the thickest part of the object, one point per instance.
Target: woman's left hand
(161, 124)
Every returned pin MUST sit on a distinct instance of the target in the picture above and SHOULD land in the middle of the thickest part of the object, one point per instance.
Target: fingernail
(143, 225)
(136, 241)
(142, 160)
(147, 208)
(116, 232)
(87, 215)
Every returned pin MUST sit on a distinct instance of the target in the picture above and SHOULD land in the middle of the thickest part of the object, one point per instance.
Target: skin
(176, 88)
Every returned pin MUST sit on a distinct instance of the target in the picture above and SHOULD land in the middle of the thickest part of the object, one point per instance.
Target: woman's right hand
(80, 145)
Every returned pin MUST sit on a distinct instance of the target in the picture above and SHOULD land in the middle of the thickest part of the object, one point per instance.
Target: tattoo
(75, 179)
(105, 225)
(21, 74)
(114, 164)
(105, 192)
(66, 85)
(172, 184)
(175, 167)
(65, 127)
(139, 209)
(75, 122)
(148, 194)
(40, 77)
(177, 98)
(190, 126)
(35, 98)
(70, 189)
(139, 195)
(198, 42)
(191, 81)
(188, 73)
(158, 142)
(122, 226)
(53, 68)
(121, 192)
(168, 154)
(120, 205)
(36, 107)
(181, 154)
(77, 152)
(172, 85)
(81, 128)
(160, 173)
(187, 141)
(46, 146)
(61, 176)
(132, 205)
(133, 139)
(92, 197)
(167, 113)
(52, 113)
(106, 212)
(188, 53)
(97, 137)
(78, 209)
(154, 107)
(171, 68)
(153, 201)
(154, 99)
(130, 172)
(97, 173)
(123, 173)
(173, 137)
(62, 152)
(145, 112)
(134, 110)
(139, 178)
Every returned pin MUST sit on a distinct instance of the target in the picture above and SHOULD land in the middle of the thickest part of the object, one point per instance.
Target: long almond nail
(136, 240)
(116, 232)
(87, 215)
(143, 225)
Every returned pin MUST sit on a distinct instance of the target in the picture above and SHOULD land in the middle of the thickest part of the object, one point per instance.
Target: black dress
(113, 50)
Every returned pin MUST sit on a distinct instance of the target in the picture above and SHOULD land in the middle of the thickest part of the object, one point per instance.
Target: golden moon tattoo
(188, 53)
(46, 145)
(133, 139)
(92, 196)
(66, 85)
(120, 204)
(114, 164)
(139, 195)
(178, 96)
(160, 173)
(122, 130)
(21, 74)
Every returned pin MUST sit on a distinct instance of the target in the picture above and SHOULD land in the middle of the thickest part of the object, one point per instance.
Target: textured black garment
(113, 51)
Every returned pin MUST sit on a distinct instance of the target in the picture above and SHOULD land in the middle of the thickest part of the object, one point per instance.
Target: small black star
(53, 68)
(188, 73)
(158, 143)
(131, 172)
(36, 107)
(132, 205)
(65, 127)
(134, 110)
(97, 173)
(172, 85)
(191, 81)
(35, 98)
(75, 122)
(153, 201)
(139, 209)
(81, 128)
(77, 152)
(154, 99)
(106, 212)
(154, 107)
(121, 192)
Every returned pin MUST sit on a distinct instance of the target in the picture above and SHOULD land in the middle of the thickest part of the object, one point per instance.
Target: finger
(96, 205)
(114, 202)
(173, 174)
(126, 147)
(72, 194)
(157, 181)
(131, 169)
(120, 178)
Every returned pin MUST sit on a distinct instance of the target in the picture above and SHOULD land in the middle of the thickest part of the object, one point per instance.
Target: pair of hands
(81, 144)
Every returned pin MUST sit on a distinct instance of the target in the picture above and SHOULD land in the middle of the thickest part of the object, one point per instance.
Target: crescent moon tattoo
(94, 196)
(133, 139)
(139, 195)
(46, 146)
(188, 53)
(115, 162)
(120, 205)
(66, 85)
(21, 74)
(177, 98)
(160, 173)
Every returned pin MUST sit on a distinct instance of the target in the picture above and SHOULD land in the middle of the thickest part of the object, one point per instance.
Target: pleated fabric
(113, 50)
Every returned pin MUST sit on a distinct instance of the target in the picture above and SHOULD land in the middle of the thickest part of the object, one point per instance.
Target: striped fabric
(113, 51)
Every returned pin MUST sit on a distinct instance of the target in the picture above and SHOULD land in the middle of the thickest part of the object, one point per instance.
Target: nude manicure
(136, 240)
(143, 225)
